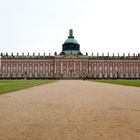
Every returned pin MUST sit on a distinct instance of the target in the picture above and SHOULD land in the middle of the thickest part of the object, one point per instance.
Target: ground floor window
(65, 73)
(100, 75)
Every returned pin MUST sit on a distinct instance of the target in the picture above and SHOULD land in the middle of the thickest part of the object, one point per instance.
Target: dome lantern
(71, 34)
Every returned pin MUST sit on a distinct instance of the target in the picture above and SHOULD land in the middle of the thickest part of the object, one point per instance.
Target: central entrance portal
(70, 73)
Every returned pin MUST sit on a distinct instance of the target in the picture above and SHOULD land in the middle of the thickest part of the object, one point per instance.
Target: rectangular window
(137, 68)
(105, 68)
(116, 69)
(100, 68)
(95, 69)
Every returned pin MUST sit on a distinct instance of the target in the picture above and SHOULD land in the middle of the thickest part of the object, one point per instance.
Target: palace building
(69, 64)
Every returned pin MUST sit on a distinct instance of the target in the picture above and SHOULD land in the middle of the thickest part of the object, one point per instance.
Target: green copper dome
(71, 40)
(71, 46)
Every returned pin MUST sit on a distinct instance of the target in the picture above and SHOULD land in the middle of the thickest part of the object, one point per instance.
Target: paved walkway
(71, 110)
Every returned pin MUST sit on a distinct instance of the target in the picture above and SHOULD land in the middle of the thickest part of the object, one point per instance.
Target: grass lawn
(13, 85)
(135, 83)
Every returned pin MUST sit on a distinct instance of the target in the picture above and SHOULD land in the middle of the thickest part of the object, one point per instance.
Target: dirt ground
(71, 110)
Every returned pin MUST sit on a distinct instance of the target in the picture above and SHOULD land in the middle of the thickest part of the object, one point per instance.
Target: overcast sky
(42, 25)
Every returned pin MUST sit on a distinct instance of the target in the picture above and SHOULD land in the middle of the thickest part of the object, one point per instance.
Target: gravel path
(71, 110)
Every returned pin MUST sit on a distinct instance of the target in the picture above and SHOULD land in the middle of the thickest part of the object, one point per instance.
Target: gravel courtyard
(71, 110)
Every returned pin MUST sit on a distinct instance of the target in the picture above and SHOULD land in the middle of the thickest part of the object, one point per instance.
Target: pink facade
(69, 67)
(70, 63)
